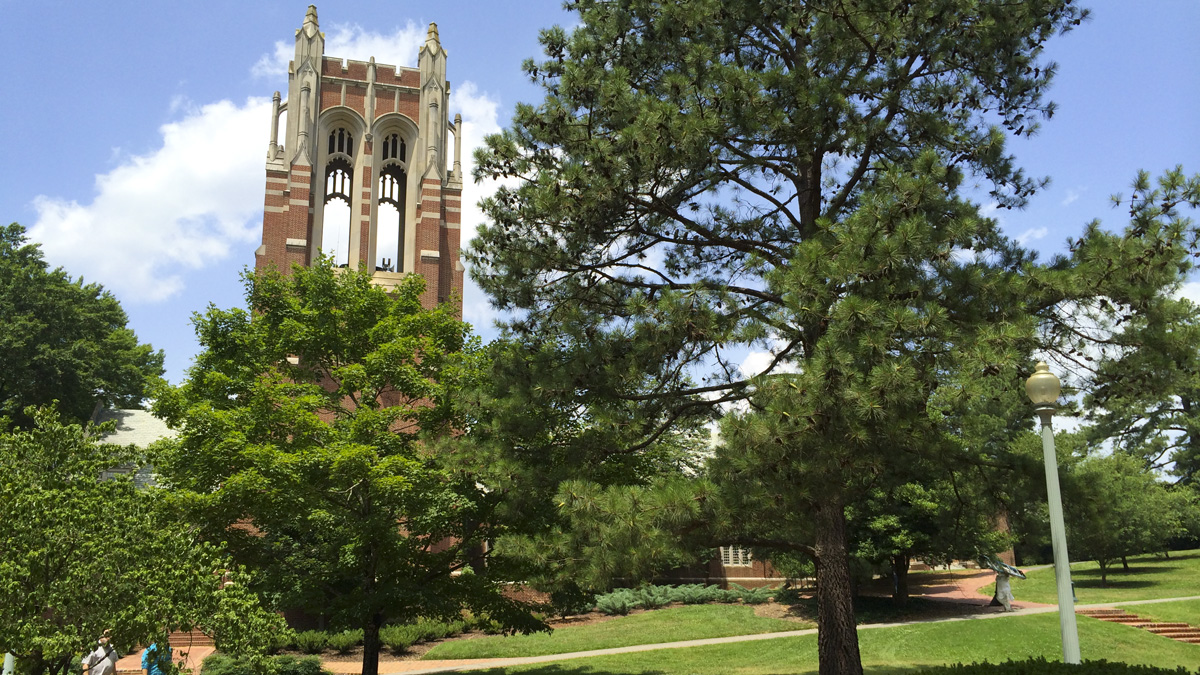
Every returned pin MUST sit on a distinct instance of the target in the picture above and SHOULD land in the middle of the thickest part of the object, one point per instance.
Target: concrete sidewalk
(419, 667)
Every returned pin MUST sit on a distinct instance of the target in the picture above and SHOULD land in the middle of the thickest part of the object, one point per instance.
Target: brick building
(361, 172)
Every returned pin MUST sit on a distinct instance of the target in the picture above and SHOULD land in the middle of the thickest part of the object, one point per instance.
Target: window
(389, 244)
(341, 141)
(393, 148)
(734, 556)
(335, 218)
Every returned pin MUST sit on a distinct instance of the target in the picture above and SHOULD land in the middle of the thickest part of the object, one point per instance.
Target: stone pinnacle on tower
(310, 27)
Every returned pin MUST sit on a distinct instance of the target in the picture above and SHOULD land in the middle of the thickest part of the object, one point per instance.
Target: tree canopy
(1142, 372)
(83, 556)
(1118, 508)
(704, 176)
(307, 440)
(64, 340)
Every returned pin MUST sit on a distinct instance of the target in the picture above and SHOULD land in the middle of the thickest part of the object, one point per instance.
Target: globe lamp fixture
(1043, 387)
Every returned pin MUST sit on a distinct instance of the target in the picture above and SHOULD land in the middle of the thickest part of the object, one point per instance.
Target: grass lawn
(896, 650)
(1149, 577)
(689, 622)
(1187, 611)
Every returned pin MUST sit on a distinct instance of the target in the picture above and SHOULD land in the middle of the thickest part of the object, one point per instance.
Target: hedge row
(220, 664)
(1041, 666)
(398, 638)
(623, 600)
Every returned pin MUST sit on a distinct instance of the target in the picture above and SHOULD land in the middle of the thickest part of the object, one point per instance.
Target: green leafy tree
(1115, 507)
(707, 175)
(64, 340)
(936, 521)
(84, 555)
(316, 431)
(958, 492)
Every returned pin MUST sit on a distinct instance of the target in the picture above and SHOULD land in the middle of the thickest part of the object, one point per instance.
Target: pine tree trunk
(900, 570)
(371, 645)
(837, 635)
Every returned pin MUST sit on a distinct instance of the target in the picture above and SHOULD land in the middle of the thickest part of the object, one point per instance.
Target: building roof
(135, 427)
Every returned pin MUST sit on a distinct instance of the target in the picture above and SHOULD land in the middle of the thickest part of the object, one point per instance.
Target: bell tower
(361, 171)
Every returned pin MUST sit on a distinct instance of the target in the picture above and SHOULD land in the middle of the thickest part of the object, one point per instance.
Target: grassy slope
(897, 650)
(1187, 611)
(1149, 577)
(690, 622)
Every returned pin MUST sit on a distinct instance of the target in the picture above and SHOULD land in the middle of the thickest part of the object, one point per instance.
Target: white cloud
(757, 361)
(963, 256)
(351, 41)
(1191, 291)
(198, 198)
(480, 117)
(1072, 196)
(181, 207)
(480, 113)
(1032, 234)
(990, 210)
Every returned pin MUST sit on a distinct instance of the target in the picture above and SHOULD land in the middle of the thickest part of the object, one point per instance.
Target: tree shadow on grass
(1113, 584)
(559, 669)
(882, 609)
(1133, 570)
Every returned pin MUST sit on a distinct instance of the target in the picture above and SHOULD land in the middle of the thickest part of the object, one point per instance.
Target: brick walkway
(188, 657)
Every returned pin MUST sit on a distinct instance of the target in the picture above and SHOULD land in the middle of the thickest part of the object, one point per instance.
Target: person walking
(102, 660)
(156, 661)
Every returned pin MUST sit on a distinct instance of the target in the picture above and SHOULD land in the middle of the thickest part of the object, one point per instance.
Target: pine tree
(1143, 390)
(703, 176)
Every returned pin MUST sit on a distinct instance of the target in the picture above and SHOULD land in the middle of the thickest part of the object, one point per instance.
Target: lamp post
(1043, 389)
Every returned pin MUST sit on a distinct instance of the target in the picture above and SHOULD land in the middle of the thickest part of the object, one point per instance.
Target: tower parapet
(360, 172)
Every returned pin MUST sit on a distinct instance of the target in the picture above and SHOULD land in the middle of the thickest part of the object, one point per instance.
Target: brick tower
(361, 171)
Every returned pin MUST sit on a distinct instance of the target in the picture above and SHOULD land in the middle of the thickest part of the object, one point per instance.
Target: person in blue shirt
(156, 662)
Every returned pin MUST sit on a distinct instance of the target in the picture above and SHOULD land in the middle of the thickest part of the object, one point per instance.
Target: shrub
(653, 597)
(1041, 666)
(431, 629)
(617, 603)
(220, 664)
(398, 638)
(296, 665)
(697, 594)
(725, 595)
(344, 641)
(284, 639)
(788, 595)
(572, 600)
(311, 641)
(482, 623)
(753, 596)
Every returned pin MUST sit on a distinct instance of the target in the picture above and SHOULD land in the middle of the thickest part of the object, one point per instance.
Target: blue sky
(135, 132)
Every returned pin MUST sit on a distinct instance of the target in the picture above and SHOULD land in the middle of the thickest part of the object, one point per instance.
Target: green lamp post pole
(1043, 389)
